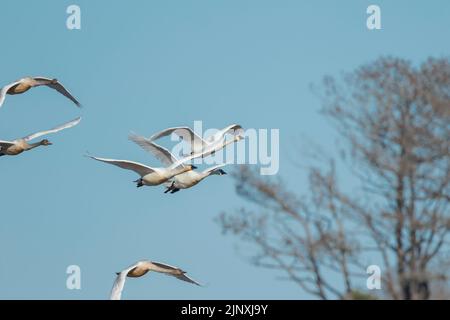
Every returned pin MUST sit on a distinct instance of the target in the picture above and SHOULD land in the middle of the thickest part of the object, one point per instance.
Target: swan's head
(220, 172)
(45, 142)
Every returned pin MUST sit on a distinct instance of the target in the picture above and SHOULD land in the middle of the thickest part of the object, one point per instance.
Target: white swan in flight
(13, 148)
(25, 84)
(203, 147)
(182, 181)
(150, 176)
(141, 268)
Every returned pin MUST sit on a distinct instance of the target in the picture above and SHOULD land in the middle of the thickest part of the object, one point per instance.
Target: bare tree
(394, 121)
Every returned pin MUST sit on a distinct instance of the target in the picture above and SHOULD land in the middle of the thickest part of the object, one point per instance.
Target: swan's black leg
(170, 188)
(139, 182)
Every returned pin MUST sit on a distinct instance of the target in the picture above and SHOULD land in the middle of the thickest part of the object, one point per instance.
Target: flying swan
(150, 176)
(203, 147)
(182, 181)
(141, 268)
(25, 84)
(13, 148)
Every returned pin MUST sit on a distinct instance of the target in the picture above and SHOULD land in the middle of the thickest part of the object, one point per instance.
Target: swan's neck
(181, 169)
(203, 175)
(34, 145)
(210, 173)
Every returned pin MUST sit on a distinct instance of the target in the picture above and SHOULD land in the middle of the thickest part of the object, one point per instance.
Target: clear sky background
(145, 66)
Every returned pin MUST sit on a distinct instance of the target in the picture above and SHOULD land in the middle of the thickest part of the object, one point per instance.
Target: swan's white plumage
(185, 133)
(23, 144)
(137, 167)
(32, 82)
(67, 125)
(214, 168)
(146, 266)
(42, 81)
(218, 136)
(202, 147)
(181, 181)
(160, 153)
(5, 89)
(119, 283)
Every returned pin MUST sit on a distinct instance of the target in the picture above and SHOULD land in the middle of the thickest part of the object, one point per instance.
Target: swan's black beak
(193, 167)
(222, 172)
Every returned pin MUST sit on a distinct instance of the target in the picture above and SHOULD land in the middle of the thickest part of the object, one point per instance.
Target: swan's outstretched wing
(160, 153)
(185, 133)
(67, 125)
(214, 168)
(161, 267)
(184, 277)
(139, 168)
(41, 81)
(5, 89)
(119, 283)
(168, 269)
(5, 144)
(221, 133)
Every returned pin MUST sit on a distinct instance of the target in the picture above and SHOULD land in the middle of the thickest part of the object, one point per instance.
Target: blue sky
(145, 66)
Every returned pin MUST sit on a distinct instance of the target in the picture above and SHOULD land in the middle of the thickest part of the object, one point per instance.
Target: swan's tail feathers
(139, 183)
